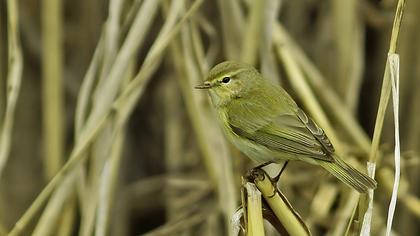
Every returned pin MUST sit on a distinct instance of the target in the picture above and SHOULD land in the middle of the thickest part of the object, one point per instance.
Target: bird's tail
(349, 175)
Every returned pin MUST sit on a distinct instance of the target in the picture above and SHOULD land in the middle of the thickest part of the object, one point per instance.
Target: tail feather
(349, 175)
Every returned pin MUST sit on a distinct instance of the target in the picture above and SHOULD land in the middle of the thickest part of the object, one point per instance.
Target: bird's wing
(293, 133)
(316, 131)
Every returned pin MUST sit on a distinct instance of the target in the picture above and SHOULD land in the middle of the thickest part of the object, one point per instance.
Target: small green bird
(265, 123)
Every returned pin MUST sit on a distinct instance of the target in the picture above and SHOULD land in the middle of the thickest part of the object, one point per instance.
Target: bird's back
(267, 128)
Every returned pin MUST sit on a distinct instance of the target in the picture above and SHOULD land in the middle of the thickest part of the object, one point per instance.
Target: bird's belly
(258, 153)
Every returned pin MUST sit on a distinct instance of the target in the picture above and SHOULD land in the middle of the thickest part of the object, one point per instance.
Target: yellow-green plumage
(264, 122)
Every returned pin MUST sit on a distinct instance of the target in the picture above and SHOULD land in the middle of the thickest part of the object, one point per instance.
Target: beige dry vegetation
(102, 133)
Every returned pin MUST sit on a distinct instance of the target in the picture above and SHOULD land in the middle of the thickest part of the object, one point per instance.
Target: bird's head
(230, 80)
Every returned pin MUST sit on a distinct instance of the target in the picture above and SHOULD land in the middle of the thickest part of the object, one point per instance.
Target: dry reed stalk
(15, 67)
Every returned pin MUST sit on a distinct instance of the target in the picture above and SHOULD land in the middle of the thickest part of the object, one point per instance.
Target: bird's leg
(263, 165)
(277, 178)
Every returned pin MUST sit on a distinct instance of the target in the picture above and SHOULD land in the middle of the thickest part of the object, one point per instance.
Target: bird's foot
(256, 172)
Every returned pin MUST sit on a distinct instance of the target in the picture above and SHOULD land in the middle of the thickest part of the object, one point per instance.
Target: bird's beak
(205, 85)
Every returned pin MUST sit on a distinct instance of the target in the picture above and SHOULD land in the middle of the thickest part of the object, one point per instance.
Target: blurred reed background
(104, 97)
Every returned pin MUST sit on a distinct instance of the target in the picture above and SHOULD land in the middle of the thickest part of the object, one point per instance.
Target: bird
(263, 121)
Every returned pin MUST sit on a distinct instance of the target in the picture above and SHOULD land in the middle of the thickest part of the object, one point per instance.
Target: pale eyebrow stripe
(232, 73)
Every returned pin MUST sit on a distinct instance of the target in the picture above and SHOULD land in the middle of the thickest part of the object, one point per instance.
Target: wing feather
(318, 133)
(290, 137)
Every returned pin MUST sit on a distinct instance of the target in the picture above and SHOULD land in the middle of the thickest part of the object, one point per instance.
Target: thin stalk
(52, 94)
(267, 59)
(394, 64)
(367, 217)
(15, 67)
(232, 27)
(255, 226)
(68, 217)
(111, 38)
(75, 158)
(349, 44)
(386, 84)
(253, 32)
(108, 186)
(83, 99)
(3, 70)
(407, 199)
(48, 223)
(111, 169)
(154, 56)
(105, 95)
(182, 223)
(345, 212)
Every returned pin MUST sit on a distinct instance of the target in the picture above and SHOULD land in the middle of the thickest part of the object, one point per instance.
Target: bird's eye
(226, 80)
